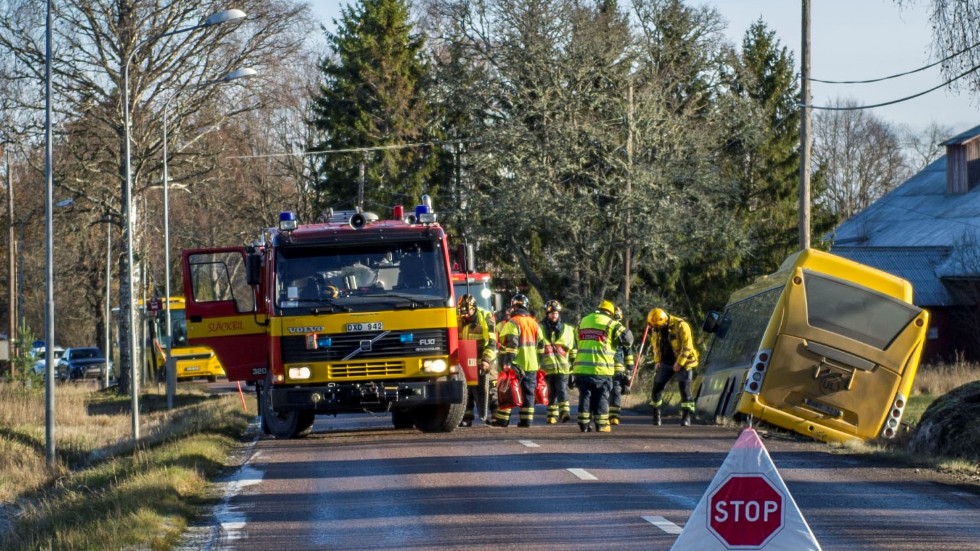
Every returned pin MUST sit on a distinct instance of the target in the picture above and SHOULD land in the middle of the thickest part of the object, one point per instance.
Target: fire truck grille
(365, 369)
(372, 351)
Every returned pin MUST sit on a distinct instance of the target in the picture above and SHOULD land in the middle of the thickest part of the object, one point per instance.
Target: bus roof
(833, 265)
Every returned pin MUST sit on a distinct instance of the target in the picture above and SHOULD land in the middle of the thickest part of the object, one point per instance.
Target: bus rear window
(855, 312)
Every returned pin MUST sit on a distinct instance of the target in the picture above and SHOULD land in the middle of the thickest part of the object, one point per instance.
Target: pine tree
(373, 110)
(767, 165)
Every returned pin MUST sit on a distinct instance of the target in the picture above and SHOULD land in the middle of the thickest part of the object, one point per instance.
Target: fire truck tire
(288, 424)
(439, 418)
(402, 418)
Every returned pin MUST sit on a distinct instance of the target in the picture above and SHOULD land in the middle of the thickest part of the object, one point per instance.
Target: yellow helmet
(466, 303)
(607, 306)
(657, 318)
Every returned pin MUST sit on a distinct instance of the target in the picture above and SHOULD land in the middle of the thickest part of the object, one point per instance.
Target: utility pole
(628, 254)
(805, 138)
(11, 266)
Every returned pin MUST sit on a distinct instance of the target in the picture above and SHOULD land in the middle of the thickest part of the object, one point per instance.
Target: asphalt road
(357, 483)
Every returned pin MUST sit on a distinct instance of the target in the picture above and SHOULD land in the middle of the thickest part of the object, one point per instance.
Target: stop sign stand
(747, 506)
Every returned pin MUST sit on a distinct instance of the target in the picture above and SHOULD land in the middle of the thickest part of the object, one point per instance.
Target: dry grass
(103, 492)
(938, 379)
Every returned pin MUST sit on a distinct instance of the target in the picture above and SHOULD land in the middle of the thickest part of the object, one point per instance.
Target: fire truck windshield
(364, 276)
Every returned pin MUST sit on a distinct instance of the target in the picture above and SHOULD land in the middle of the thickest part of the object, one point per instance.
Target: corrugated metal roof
(916, 264)
(918, 213)
(959, 139)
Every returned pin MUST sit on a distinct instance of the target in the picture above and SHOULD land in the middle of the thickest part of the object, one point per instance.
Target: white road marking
(583, 474)
(664, 524)
(528, 444)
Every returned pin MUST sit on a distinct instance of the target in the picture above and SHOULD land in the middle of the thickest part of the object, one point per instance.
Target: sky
(849, 40)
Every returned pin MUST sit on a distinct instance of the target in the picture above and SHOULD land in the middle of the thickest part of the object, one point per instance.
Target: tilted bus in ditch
(352, 314)
(825, 347)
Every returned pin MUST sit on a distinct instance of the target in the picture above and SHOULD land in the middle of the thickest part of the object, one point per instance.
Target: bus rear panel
(825, 347)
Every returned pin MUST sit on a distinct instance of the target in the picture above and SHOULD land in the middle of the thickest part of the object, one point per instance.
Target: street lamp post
(171, 365)
(126, 306)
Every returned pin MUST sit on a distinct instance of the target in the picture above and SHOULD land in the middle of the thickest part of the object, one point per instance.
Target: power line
(349, 150)
(869, 81)
(900, 100)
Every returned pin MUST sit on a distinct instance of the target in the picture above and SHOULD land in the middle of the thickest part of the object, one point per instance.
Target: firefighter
(623, 364)
(478, 324)
(521, 344)
(598, 336)
(673, 354)
(559, 351)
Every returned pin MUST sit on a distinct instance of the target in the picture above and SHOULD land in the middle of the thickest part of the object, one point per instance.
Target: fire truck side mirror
(253, 269)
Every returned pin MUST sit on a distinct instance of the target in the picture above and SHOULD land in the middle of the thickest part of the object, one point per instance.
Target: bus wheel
(284, 424)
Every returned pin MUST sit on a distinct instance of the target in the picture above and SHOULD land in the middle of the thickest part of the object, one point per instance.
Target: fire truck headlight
(299, 372)
(434, 366)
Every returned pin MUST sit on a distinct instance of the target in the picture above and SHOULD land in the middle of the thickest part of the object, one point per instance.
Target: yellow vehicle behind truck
(191, 361)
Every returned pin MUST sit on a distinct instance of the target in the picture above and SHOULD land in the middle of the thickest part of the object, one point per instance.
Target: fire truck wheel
(288, 424)
(439, 418)
(402, 418)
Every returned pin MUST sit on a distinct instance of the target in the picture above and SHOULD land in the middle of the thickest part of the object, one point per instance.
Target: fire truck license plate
(359, 327)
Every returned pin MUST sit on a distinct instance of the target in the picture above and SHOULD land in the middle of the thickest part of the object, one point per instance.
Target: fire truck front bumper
(377, 395)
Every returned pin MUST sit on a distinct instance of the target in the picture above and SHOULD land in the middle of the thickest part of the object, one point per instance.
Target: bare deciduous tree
(859, 157)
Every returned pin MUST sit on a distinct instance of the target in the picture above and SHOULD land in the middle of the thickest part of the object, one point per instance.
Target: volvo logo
(303, 330)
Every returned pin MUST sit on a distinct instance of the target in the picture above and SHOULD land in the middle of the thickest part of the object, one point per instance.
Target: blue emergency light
(288, 221)
(406, 338)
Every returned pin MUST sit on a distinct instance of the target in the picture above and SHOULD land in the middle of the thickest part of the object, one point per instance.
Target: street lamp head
(223, 17)
(239, 73)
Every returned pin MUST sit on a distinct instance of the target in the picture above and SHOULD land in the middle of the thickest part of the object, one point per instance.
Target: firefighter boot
(657, 419)
(685, 418)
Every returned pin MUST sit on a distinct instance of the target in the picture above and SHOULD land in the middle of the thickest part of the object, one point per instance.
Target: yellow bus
(191, 362)
(825, 347)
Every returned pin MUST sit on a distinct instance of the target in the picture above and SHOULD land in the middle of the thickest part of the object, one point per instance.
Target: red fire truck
(350, 315)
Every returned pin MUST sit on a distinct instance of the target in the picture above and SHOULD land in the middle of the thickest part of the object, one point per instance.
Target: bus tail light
(894, 417)
(753, 381)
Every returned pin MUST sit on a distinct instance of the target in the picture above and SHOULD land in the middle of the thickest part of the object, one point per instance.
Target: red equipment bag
(508, 389)
(541, 390)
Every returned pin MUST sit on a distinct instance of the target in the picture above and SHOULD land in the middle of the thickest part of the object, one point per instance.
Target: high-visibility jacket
(624, 359)
(598, 337)
(681, 344)
(483, 330)
(559, 347)
(521, 341)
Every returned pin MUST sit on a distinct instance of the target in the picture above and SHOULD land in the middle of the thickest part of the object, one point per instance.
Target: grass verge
(104, 492)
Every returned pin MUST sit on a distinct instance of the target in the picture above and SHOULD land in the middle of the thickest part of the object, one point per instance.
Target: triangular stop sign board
(747, 506)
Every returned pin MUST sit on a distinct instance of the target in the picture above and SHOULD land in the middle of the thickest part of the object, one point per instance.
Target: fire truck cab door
(223, 313)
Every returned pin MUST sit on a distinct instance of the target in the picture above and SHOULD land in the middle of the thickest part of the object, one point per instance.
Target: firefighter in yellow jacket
(478, 324)
(673, 354)
(599, 334)
(623, 363)
(521, 345)
(559, 351)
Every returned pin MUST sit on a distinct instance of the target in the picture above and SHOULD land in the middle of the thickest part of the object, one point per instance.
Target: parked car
(40, 359)
(86, 362)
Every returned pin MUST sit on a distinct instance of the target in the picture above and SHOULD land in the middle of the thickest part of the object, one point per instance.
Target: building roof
(919, 231)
